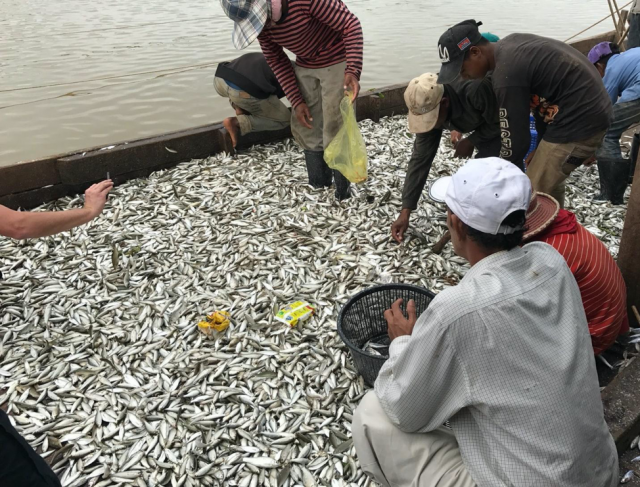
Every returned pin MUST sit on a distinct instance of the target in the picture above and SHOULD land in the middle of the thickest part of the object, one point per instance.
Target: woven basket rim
(371, 290)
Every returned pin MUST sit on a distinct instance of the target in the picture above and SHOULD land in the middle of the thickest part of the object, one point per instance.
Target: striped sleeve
(601, 285)
(282, 68)
(335, 15)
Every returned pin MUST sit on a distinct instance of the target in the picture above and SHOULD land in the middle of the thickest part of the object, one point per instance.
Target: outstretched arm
(22, 224)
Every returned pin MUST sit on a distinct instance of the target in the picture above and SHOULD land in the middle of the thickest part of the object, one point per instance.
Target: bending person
(327, 41)
(466, 106)
(539, 74)
(621, 76)
(254, 93)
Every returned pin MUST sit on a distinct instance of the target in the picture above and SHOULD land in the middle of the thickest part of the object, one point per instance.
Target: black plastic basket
(361, 320)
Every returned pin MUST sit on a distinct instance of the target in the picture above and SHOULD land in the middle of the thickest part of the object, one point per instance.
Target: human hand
(529, 158)
(304, 115)
(398, 324)
(589, 161)
(96, 196)
(352, 84)
(464, 149)
(455, 137)
(400, 225)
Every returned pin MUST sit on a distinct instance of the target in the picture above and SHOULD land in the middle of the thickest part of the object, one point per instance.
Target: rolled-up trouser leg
(319, 173)
(395, 458)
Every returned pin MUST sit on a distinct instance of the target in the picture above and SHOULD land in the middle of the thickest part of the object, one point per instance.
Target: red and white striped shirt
(603, 291)
(320, 33)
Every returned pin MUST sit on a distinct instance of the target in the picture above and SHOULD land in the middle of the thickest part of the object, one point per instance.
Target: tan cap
(423, 96)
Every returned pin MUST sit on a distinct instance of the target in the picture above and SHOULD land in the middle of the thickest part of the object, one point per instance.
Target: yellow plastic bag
(347, 152)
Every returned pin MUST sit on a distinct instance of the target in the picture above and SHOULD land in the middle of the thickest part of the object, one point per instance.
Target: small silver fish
(627, 477)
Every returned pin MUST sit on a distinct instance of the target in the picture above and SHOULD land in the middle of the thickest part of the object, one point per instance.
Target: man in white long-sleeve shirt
(505, 356)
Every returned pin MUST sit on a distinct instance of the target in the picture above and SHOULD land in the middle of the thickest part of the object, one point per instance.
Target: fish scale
(104, 366)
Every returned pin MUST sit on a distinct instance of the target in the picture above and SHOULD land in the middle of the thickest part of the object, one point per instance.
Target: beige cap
(423, 96)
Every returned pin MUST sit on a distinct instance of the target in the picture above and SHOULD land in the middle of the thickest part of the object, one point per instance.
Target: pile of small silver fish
(105, 372)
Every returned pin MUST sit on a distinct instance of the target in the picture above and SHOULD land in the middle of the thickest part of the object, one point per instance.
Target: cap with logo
(423, 96)
(453, 45)
(250, 17)
(485, 191)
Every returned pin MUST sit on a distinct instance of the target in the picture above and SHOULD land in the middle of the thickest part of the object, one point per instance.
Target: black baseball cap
(452, 47)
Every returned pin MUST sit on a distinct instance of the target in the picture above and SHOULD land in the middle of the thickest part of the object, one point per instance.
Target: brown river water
(77, 74)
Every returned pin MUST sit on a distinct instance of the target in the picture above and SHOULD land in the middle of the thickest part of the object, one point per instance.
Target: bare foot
(232, 126)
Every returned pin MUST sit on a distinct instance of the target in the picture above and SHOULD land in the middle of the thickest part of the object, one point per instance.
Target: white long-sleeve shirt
(506, 357)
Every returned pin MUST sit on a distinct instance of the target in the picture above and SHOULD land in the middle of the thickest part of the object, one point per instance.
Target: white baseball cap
(423, 96)
(485, 191)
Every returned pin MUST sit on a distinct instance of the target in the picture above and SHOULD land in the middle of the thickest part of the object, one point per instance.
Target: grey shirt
(506, 356)
(635, 7)
(557, 83)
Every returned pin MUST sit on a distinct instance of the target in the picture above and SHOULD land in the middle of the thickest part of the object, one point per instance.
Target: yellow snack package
(219, 320)
(295, 313)
(347, 152)
(204, 327)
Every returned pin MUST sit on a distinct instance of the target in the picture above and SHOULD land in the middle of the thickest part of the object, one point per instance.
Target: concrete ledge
(28, 175)
(621, 401)
(164, 150)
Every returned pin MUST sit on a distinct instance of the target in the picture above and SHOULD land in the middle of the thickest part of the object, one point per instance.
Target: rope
(51, 85)
(593, 25)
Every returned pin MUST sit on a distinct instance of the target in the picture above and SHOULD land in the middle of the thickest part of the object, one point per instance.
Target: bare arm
(20, 225)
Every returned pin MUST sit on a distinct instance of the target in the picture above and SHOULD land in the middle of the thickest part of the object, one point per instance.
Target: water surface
(77, 74)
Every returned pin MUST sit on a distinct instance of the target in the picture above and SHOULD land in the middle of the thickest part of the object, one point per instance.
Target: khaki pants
(552, 164)
(265, 114)
(397, 459)
(322, 90)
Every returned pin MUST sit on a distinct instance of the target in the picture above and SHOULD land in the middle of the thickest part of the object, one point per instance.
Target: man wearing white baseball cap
(505, 356)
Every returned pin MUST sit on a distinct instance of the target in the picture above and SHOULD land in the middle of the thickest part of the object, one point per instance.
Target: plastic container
(534, 136)
(361, 321)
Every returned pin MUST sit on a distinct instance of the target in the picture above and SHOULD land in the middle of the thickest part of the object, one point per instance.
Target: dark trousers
(20, 466)
(634, 31)
(624, 115)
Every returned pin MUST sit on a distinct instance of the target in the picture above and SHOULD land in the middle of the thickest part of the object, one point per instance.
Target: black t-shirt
(252, 74)
(473, 108)
(554, 81)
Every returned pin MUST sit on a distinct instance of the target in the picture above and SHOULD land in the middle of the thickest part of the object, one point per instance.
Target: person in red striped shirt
(603, 291)
(327, 41)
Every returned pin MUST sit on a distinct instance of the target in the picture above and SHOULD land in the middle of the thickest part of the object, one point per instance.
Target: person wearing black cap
(546, 76)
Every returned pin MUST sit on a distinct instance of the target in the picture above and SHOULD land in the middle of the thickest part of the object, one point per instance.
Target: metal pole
(629, 254)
